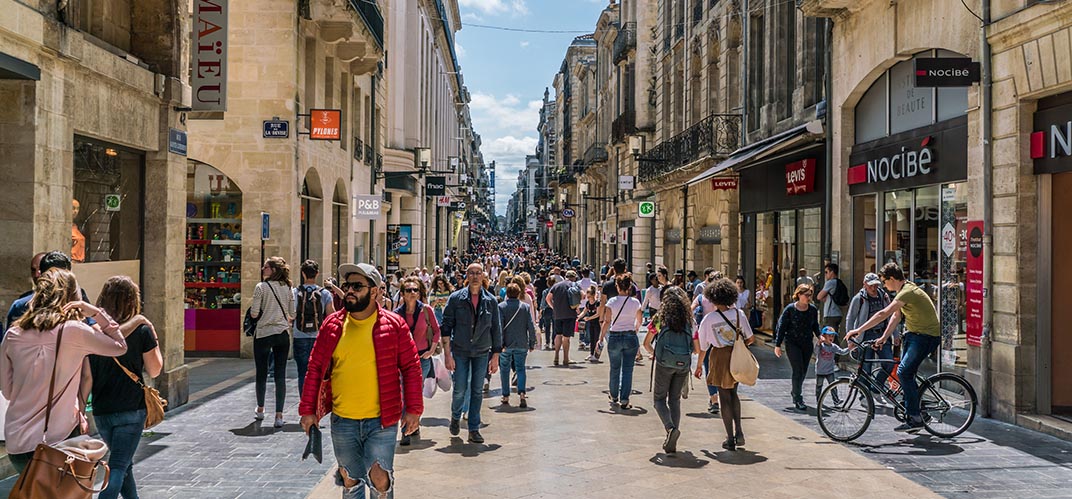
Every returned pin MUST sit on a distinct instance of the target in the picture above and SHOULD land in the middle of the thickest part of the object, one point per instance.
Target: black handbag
(249, 323)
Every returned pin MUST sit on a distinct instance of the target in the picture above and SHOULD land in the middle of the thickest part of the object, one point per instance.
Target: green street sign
(111, 202)
(647, 209)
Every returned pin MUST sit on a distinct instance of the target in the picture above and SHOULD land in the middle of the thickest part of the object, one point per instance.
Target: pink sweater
(26, 359)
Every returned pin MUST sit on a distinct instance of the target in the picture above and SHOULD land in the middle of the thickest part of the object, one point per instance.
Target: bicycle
(948, 402)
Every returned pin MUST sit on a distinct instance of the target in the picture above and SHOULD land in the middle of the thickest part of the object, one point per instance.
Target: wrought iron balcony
(370, 13)
(624, 42)
(623, 126)
(359, 149)
(369, 155)
(717, 135)
(596, 153)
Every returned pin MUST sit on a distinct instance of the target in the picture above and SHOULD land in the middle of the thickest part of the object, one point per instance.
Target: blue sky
(506, 72)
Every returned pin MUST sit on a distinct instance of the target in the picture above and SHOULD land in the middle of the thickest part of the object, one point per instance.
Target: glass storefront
(788, 244)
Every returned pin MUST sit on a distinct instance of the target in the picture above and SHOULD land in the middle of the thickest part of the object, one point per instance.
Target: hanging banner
(392, 248)
(367, 207)
(443, 201)
(325, 124)
(405, 239)
(973, 286)
(435, 186)
(208, 78)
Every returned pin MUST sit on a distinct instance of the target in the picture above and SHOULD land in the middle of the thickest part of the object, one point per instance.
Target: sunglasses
(356, 286)
(411, 290)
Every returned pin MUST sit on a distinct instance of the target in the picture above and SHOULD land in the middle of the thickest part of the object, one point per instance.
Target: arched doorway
(213, 278)
(312, 217)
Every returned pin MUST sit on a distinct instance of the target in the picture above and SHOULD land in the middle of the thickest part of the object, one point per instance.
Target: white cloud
(494, 116)
(496, 6)
(459, 49)
(524, 43)
(509, 155)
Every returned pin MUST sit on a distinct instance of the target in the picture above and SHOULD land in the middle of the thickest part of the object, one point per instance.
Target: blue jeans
(426, 369)
(468, 393)
(360, 443)
(122, 432)
(622, 349)
(512, 358)
(886, 353)
(302, 348)
(915, 349)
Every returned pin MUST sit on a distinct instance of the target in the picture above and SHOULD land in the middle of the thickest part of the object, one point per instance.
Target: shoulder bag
(743, 365)
(65, 470)
(154, 403)
(428, 333)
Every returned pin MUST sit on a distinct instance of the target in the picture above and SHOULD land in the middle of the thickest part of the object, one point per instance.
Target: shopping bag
(743, 365)
(442, 375)
(430, 387)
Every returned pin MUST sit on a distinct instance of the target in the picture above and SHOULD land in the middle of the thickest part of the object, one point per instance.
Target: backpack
(841, 294)
(673, 349)
(574, 296)
(310, 310)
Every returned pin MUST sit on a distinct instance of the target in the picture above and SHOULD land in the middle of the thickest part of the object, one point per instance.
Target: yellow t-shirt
(355, 386)
(918, 310)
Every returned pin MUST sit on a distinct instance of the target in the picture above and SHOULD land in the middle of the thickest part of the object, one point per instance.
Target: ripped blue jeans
(358, 444)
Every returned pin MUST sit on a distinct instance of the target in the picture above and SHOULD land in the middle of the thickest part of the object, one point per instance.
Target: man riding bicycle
(922, 335)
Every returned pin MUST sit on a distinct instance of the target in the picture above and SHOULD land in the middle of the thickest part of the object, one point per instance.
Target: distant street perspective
(535, 248)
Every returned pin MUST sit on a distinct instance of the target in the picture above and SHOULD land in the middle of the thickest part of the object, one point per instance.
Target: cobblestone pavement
(991, 460)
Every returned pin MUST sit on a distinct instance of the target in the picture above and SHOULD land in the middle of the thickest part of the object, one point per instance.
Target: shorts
(565, 327)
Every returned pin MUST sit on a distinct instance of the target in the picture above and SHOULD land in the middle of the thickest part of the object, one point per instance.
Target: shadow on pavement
(416, 445)
(460, 447)
(511, 409)
(738, 457)
(922, 445)
(444, 422)
(635, 411)
(259, 429)
(679, 460)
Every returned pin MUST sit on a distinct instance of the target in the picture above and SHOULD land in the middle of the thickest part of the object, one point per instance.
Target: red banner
(973, 286)
(800, 177)
(723, 183)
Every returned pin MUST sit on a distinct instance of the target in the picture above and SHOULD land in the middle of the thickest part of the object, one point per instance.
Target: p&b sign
(367, 207)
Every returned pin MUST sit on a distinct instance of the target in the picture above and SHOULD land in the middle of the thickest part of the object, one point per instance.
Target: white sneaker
(258, 415)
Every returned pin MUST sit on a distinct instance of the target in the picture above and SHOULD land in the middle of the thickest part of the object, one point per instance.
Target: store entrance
(1061, 303)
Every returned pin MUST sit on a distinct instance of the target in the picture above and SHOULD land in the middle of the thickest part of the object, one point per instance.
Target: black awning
(13, 68)
(763, 148)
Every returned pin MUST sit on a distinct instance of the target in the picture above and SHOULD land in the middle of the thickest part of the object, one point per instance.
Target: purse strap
(52, 380)
(131, 375)
(620, 310)
(736, 326)
(277, 300)
(511, 321)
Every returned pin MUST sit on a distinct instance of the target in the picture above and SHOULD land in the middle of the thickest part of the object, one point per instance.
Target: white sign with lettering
(209, 72)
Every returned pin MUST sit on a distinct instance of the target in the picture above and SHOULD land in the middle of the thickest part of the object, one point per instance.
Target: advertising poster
(405, 239)
(974, 284)
(392, 248)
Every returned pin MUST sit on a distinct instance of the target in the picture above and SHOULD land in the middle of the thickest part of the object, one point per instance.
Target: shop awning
(769, 146)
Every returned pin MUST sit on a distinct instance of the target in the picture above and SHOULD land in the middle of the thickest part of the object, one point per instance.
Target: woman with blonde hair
(118, 401)
(42, 353)
(273, 306)
(798, 328)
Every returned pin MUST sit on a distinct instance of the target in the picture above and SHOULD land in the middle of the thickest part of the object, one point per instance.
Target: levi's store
(908, 182)
(781, 206)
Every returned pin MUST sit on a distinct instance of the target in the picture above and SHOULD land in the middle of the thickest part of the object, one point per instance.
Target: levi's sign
(209, 75)
(946, 72)
(800, 177)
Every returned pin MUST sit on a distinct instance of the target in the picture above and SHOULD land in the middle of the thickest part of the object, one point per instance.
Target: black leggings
(730, 403)
(276, 346)
(799, 358)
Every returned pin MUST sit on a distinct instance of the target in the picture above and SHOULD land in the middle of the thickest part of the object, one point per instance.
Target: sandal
(625, 406)
(505, 400)
(730, 444)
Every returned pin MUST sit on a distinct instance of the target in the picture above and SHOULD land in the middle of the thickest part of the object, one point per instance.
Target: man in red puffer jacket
(359, 356)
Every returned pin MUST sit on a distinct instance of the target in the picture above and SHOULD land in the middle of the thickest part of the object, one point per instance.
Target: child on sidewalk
(825, 365)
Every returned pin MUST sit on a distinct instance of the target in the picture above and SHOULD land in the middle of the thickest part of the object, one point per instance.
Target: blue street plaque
(264, 226)
(177, 141)
(276, 129)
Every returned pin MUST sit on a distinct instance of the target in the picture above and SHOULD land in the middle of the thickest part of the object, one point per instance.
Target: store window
(107, 207)
(954, 256)
(897, 236)
(865, 218)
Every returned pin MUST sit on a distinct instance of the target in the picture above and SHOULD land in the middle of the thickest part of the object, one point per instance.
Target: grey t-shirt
(830, 309)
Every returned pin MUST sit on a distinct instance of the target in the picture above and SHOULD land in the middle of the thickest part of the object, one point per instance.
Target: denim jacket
(472, 332)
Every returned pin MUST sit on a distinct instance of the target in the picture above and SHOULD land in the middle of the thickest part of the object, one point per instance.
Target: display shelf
(233, 263)
(213, 242)
(214, 220)
(214, 285)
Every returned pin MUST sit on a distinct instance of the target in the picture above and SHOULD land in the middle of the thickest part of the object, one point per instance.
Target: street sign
(177, 141)
(550, 224)
(626, 182)
(647, 209)
(568, 213)
(264, 226)
(946, 72)
(112, 202)
(275, 129)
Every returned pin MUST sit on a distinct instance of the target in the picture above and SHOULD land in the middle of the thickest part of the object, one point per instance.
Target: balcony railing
(359, 149)
(717, 135)
(596, 153)
(623, 126)
(370, 13)
(624, 42)
(369, 155)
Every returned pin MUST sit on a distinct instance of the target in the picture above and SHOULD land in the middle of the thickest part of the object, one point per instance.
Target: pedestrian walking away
(671, 358)
(471, 321)
(718, 332)
(833, 296)
(564, 298)
(119, 409)
(798, 329)
(922, 336)
(312, 305)
(362, 353)
(519, 338)
(273, 307)
(621, 320)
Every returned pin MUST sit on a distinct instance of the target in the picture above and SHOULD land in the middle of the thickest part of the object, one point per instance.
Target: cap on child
(829, 330)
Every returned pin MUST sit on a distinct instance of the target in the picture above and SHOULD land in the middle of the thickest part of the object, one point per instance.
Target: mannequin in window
(78, 241)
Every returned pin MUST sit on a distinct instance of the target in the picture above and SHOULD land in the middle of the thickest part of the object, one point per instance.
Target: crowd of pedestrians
(369, 343)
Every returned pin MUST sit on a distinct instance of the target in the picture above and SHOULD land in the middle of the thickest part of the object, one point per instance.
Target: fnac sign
(325, 124)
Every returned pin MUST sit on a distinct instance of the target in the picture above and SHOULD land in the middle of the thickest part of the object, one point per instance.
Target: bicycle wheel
(845, 410)
(948, 404)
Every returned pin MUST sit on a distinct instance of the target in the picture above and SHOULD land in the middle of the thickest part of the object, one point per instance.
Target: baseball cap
(829, 330)
(363, 269)
(871, 278)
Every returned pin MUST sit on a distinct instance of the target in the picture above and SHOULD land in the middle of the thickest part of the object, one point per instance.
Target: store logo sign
(800, 177)
(324, 124)
(904, 164)
(1060, 142)
(209, 74)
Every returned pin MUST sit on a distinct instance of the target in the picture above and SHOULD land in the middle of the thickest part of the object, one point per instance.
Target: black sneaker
(739, 439)
(475, 438)
(405, 440)
(730, 444)
(910, 427)
(670, 444)
(712, 408)
(455, 427)
(523, 404)
(800, 406)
